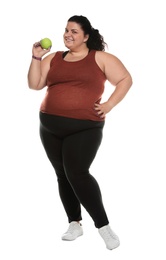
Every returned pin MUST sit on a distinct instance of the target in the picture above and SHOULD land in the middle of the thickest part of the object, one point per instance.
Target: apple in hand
(45, 43)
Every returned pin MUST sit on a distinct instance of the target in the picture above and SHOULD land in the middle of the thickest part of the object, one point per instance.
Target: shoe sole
(68, 239)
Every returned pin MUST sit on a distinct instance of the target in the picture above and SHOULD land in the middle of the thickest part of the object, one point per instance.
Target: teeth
(68, 40)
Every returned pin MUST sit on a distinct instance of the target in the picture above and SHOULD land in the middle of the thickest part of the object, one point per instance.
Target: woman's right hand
(38, 51)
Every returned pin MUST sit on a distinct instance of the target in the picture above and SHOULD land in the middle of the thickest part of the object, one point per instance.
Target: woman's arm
(38, 70)
(118, 76)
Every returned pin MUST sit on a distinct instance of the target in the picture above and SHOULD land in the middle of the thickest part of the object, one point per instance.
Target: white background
(130, 165)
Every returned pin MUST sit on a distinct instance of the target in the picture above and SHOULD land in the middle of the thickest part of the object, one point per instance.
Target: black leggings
(71, 145)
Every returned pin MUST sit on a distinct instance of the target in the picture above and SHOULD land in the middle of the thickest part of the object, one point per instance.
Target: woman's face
(74, 37)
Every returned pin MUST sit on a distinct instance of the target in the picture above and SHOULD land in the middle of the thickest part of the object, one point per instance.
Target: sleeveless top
(74, 87)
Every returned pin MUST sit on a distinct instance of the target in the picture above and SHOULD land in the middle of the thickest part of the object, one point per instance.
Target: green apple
(46, 43)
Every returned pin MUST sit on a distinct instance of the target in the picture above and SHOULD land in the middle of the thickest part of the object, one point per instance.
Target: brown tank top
(74, 88)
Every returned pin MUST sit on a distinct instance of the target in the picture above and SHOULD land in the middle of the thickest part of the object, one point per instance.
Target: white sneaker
(110, 238)
(75, 230)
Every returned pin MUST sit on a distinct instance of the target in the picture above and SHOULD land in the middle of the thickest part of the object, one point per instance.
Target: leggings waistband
(64, 126)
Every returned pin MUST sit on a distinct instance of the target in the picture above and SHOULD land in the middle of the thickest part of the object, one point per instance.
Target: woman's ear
(86, 37)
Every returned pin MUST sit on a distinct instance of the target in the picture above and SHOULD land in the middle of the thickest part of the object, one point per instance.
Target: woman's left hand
(102, 109)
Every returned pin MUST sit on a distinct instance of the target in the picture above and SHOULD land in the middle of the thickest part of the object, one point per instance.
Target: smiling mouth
(68, 40)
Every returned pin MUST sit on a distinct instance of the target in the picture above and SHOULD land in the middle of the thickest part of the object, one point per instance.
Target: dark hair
(95, 40)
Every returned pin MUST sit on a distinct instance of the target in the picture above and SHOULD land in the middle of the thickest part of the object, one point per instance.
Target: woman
(72, 117)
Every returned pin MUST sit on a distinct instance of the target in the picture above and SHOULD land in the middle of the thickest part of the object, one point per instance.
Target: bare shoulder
(104, 54)
(106, 57)
(107, 61)
(49, 57)
(45, 64)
